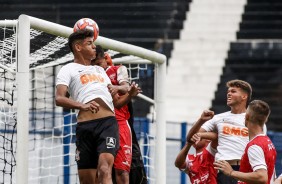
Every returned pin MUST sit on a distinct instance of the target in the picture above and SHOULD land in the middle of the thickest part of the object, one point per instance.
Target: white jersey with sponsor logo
(232, 135)
(86, 83)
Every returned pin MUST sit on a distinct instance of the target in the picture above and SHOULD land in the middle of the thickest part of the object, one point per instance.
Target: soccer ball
(87, 23)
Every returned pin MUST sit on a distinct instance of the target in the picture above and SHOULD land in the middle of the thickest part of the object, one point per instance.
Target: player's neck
(254, 130)
(199, 150)
(238, 109)
(82, 61)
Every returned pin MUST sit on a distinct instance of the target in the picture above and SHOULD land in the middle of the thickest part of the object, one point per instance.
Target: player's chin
(229, 103)
(93, 57)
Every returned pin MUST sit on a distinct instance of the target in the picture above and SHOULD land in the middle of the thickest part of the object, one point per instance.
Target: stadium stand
(262, 20)
(198, 57)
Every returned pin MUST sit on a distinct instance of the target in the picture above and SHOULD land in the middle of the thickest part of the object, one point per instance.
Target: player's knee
(105, 170)
(122, 176)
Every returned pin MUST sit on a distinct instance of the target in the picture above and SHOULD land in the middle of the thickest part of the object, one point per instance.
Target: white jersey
(232, 135)
(86, 83)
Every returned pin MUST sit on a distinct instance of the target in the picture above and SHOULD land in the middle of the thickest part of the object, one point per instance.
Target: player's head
(238, 92)
(108, 59)
(257, 112)
(100, 57)
(82, 41)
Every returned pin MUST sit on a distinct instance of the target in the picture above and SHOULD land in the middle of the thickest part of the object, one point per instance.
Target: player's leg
(122, 176)
(108, 140)
(124, 156)
(86, 155)
(105, 165)
(87, 176)
(137, 173)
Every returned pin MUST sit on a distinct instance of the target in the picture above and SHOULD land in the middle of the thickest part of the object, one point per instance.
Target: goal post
(22, 82)
(24, 24)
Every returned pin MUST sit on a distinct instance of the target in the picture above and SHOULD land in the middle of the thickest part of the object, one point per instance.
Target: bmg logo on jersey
(111, 142)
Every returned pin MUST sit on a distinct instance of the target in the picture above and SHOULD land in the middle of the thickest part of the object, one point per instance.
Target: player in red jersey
(119, 77)
(108, 59)
(199, 166)
(258, 160)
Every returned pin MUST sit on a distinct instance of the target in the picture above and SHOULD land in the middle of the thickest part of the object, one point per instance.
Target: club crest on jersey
(112, 76)
(111, 142)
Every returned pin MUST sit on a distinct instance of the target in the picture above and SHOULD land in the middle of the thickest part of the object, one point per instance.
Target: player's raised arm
(206, 115)
(180, 161)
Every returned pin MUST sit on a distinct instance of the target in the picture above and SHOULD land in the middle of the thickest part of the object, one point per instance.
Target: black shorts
(93, 138)
(224, 179)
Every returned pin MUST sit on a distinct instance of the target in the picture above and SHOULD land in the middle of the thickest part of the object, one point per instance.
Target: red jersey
(200, 168)
(260, 142)
(116, 78)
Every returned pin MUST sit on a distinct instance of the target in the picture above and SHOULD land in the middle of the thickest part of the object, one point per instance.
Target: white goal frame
(24, 24)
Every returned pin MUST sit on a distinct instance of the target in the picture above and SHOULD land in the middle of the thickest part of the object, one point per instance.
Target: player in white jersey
(97, 138)
(230, 126)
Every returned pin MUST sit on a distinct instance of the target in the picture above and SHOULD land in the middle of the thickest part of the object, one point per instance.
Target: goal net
(38, 138)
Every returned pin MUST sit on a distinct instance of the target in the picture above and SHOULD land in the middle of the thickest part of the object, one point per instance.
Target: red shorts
(124, 154)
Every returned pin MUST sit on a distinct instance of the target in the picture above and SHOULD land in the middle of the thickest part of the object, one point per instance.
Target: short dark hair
(245, 86)
(99, 52)
(79, 35)
(259, 111)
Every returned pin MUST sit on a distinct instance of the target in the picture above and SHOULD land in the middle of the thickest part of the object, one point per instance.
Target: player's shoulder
(72, 66)
(69, 65)
(98, 67)
(67, 68)
(222, 115)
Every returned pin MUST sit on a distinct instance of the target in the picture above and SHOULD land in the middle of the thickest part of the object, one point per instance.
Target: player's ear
(77, 47)
(245, 96)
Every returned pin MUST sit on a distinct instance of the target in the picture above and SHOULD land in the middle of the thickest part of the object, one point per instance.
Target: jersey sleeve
(122, 74)
(211, 150)
(209, 126)
(256, 157)
(63, 77)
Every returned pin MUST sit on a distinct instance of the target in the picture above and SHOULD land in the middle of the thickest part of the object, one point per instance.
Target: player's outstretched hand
(207, 115)
(134, 89)
(91, 106)
(196, 138)
(121, 89)
(223, 166)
